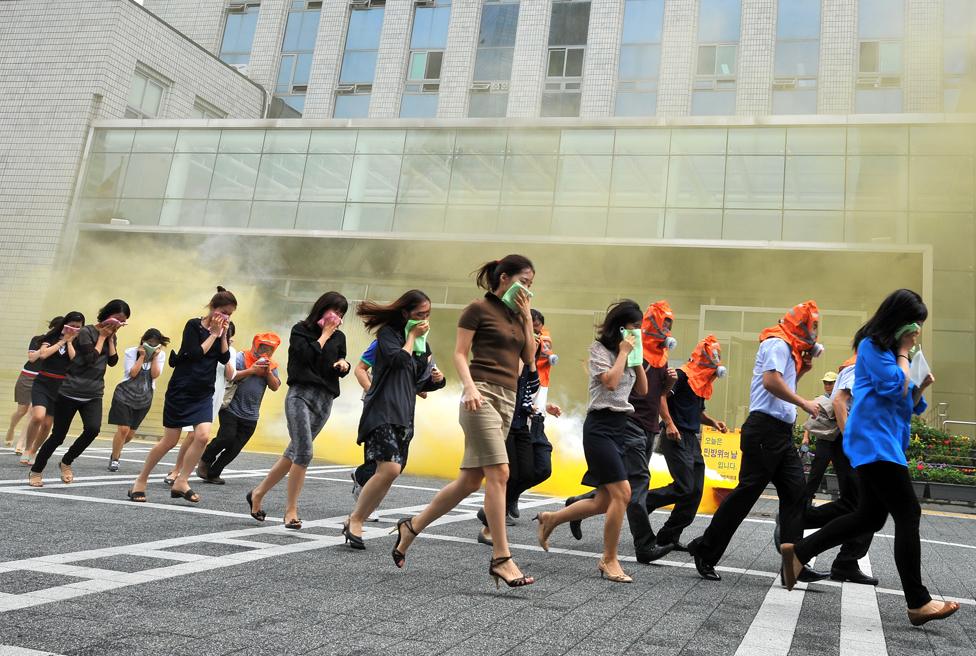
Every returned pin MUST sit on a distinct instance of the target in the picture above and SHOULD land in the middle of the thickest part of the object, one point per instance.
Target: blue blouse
(879, 426)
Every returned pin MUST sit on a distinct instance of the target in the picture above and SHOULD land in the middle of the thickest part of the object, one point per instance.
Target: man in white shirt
(766, 444)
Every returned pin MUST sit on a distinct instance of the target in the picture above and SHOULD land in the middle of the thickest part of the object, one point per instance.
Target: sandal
(35, 479)
(169, 479)
(294, 524)
(189, 495)
(138, 497)
(66, 474)
(259, 515)
(26, 460)
(400, 558)
(513, 583)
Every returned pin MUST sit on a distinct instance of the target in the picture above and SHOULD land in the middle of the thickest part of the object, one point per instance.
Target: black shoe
(810, 575)
(483, 540)
(656, 552)
(513, 511)
(203, 471)
(214, 480)
(482, 518)
(575, 526)
(705, 570)
(676, 546)
(852, 575)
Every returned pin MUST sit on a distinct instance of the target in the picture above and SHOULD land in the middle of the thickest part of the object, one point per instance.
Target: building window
(640, 58)
(240, 19)
(147, 94)
(568, 28)
(797, 59)
(881, 29)
(359, 61)
(959, 23)
(718, 44)
(493, 61)
(203, 109)
(296, 59)
(427, 43)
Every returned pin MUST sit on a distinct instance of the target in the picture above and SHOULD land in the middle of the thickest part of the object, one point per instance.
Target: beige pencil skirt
(485, 429)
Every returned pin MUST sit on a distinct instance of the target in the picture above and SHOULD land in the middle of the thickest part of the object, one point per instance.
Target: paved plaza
(83, 571)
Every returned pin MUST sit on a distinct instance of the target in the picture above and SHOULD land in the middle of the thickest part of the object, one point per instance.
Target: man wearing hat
(823, 429)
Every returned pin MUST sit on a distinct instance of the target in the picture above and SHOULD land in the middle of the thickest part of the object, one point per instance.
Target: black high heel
(513, 583)
(354, 541)
(400, 558)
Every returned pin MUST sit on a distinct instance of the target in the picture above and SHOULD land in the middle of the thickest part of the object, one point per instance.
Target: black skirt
(603, 447)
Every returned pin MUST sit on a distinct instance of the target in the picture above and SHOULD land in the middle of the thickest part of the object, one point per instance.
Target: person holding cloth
(643, 427)
(254, 373)
(683, 412)
(133, 396)
(615, 370)
(497, 331)
(402, 368)
(766, 443)
(189, 395)
(316, 362)
(83, 388)
(876, 437)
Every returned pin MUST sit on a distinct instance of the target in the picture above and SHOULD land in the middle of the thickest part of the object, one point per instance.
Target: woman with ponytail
(83, 388)
(497, 332)
(403, 368)
(54, 355)
(189, 396)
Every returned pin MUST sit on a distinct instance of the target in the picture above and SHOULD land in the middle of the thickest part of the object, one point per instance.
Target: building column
(754, 77)
(266, 48)
(923, 56)
(602, 55)
(391, 59)
(529, 66)
(458, 66)
(679, 40)
(838, 57)
(327, 60)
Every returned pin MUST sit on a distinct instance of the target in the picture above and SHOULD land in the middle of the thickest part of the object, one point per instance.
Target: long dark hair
(222, 298)
(618, 316)
(115, 306)
(58, 323)
(375, 315)
(153, 333)
(490, 273)
(901, 307)
(327, 301)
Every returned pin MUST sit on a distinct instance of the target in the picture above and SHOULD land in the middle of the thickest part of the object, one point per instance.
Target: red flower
(921, 466)
(947, 442)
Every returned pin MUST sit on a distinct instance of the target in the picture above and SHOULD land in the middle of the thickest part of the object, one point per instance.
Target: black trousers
(886, 488)
(687, 468)
(65, 410)
(821, 458)
(529, 459)
(637, 455)
(231, 438)
(817, 517)
(768, 455)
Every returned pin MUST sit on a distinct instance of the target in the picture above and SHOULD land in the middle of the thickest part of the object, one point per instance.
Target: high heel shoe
(354, 541)
(544, 532)
(616, 578)
(512, 583)
(400, 558)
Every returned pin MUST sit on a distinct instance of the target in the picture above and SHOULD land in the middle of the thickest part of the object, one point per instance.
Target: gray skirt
(307, 408)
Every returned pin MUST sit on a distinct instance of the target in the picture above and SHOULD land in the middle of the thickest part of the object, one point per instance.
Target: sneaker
(113, 465)
(356, 487)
